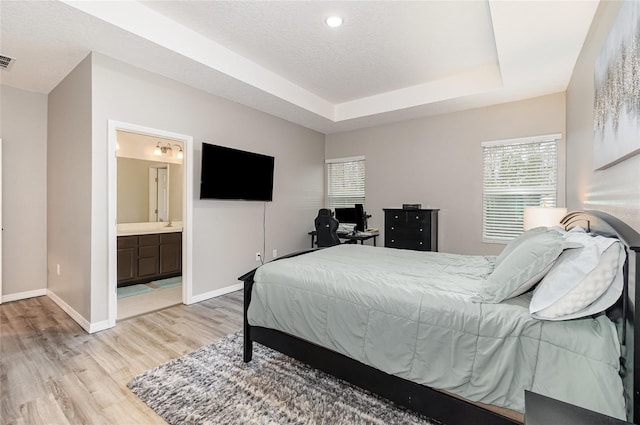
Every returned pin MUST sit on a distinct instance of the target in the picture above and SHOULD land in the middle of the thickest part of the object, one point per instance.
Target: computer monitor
(346, 215)
(361, 219)
(354, 215)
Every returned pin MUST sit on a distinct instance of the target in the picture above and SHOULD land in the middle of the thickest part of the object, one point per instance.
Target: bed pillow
(514, 243)
(583, 281)
(524, 266)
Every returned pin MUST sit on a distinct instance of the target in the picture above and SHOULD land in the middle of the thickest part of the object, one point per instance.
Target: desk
(359, 236)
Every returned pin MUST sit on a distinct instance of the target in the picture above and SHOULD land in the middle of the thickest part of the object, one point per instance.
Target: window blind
(345, 182)
(517, 174)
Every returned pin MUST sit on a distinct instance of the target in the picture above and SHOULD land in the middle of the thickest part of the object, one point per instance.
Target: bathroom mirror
(148, 191)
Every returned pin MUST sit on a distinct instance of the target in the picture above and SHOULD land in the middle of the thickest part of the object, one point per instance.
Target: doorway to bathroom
(149, 251)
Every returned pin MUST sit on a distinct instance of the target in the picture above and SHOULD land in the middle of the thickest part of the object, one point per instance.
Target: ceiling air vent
(6, 62)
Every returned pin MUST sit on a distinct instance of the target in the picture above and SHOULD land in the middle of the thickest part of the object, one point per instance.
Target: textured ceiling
(382, 46)
(390, 61)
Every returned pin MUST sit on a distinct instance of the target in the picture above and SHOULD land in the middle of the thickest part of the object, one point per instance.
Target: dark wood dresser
(411, 229)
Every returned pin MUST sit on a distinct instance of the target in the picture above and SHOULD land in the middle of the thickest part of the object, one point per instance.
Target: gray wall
(23, 129)
(227, 234)
(437, 162)
(615, 190)
(69, 192)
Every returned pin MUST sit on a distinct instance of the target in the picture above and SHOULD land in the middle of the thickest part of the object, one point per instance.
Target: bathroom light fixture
(162, 149)
(334, 21)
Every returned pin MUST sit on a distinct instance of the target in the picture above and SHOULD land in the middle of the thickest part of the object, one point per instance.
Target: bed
(417, 328)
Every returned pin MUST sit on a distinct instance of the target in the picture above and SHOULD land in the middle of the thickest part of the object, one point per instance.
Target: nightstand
(541, 410)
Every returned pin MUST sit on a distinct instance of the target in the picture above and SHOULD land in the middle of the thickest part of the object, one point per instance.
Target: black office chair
(326, 229)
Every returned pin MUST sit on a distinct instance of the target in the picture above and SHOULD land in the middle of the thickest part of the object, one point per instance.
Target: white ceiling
(390, 61)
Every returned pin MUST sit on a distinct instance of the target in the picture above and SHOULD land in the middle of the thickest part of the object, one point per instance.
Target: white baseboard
(84, 323)
(24, 295)
(99, 326)
(212, 294)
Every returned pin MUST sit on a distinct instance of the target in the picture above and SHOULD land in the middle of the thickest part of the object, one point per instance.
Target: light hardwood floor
(53, 372)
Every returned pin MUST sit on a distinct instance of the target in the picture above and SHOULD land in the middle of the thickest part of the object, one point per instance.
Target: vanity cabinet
(144, 258)
(127, 258)
(170, 254)
(148, 258)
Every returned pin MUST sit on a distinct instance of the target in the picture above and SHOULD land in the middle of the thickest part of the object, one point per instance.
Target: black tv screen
(235, 175)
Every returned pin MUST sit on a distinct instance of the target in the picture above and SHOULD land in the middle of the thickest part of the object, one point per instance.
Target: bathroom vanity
(148, 252)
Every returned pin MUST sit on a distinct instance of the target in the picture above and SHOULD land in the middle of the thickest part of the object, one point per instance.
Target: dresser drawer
(418, 245)
(418, 227)
(413, 244)
(396, 217)
(394, 229)
(418, 218)
(393, 241)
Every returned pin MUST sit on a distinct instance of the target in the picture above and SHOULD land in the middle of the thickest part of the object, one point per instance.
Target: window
(345, 182)
(518, 173)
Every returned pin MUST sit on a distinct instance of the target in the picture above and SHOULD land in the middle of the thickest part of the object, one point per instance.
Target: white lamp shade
(542, 216)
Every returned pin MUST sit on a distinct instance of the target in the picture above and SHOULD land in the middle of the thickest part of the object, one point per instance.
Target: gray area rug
(212, 385)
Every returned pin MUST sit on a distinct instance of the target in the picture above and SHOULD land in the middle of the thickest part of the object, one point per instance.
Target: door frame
(1, 227)
(187, 210)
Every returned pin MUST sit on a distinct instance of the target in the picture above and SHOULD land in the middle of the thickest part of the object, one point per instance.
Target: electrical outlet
(258, 256)
(274, 254)
(58, 269)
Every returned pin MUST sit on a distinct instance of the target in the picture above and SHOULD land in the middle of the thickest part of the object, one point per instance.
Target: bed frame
(447, 408)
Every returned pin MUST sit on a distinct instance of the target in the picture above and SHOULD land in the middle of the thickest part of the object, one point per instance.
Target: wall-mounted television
(234, 174)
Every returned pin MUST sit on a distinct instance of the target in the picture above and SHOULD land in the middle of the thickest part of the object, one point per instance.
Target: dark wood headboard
(623, 313)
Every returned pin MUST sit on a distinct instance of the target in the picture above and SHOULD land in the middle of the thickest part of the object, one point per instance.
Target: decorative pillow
(524, 266)
(514, 243)
(583, 281)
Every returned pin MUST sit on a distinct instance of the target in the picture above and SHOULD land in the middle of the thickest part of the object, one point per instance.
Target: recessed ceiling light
(333, 21)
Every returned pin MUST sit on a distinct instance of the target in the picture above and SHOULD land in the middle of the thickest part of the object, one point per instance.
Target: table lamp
(542, 216)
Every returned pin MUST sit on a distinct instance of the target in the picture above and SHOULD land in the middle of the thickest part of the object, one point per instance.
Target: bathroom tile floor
(151, 301)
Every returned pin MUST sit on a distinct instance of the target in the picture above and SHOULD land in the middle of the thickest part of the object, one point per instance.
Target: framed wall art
(617, 91)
